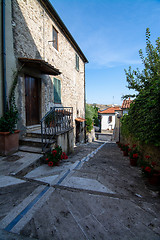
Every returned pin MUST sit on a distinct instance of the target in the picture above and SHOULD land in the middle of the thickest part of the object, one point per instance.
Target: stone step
(30, 141)
(34, 128)
(33, 134)
(30, 149)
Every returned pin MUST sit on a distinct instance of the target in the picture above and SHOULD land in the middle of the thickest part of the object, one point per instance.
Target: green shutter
(57, 91)
(77, 62)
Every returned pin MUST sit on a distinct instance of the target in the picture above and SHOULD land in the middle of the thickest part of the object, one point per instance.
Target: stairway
(32, 141)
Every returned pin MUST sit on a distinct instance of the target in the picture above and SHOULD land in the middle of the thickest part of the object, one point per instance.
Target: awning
(80, 119)
(41, 65)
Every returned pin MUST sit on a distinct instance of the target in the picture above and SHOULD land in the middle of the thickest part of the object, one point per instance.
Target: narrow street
(95, 194)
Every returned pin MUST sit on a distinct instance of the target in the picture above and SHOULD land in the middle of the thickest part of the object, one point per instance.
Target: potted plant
(133, 155)
(49, 120)
(149, 171)
(54, 156)
(125, 149)
(9, 136)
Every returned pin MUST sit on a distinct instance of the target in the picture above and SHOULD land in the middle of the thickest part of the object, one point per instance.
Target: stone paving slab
(11, 236)
(48, 174)
(72, 215)
(24, 160)
(99, 197)
(85, 183)
(12, 195)
(7, 181)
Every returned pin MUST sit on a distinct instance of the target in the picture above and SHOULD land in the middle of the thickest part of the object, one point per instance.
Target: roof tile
(126, 103)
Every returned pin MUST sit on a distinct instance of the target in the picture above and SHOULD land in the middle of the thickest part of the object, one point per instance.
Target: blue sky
(110, 33)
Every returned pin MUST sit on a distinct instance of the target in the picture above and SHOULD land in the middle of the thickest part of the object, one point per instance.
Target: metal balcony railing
(57, 120)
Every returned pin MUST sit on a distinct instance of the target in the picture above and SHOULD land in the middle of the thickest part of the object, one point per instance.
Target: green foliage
(91, 117)
(55, 156)
(9, 120)
(50, 118)
(143, 119)
(89, 124)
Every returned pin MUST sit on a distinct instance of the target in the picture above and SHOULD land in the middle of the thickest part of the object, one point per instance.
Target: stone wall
(66, 141)
(32, 33)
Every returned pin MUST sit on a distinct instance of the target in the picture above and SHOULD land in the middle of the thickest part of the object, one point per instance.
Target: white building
(108, 118)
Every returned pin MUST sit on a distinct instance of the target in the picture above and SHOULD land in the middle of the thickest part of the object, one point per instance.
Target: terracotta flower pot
(133, 161)
(9, 142)
(154, 179)
(125, 153)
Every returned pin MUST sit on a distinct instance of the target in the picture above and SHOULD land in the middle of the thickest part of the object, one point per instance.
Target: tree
(91, 116)
(143, 120)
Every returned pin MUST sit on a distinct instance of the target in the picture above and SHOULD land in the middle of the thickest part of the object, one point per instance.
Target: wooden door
(77, 131)
(32, 99)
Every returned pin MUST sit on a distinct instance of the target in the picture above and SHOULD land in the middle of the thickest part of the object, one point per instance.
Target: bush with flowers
(133, 152)
(55, 156)
(125, 148)
(148, 168)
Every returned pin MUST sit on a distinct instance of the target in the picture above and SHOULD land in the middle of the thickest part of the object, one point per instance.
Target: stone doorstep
(33, 128)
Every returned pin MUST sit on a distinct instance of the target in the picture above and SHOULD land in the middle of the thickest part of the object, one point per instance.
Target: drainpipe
(4, 82)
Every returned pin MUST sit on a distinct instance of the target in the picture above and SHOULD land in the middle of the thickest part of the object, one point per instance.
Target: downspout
(4, 82)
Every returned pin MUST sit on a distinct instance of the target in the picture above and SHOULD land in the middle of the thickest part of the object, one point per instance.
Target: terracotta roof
(110, 110)
(126, 103)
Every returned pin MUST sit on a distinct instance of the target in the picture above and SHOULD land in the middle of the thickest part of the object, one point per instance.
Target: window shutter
(57, 91)
(55, 38)
(77, 62)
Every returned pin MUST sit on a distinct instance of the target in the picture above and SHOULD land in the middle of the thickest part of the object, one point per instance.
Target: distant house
(49, 63)
(108, 118)
(125, 106)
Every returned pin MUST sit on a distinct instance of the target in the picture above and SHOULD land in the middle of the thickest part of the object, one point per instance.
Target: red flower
(153, 163)
(147, 156)
(47, 159)
(129, 149)
(50, 164)
(135, 155)
(54, 152)
(134, 145)
(66, 157)
(148, 169)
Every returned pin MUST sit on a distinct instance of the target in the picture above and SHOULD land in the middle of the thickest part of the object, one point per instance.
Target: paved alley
(96, 194)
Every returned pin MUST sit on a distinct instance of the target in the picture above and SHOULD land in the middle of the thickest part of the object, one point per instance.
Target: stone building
(49, 63)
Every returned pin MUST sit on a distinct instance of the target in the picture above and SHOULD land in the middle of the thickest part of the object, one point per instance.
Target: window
(109, 119)
(55, 38)
(57, 91)
(77, 62)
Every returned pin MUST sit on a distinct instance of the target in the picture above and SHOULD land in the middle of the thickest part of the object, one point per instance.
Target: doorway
(32, 100)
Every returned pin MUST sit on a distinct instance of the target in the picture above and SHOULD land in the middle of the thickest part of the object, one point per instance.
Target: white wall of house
(106, 123)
